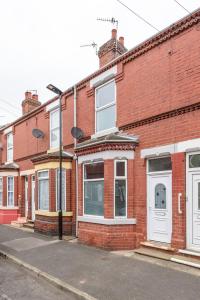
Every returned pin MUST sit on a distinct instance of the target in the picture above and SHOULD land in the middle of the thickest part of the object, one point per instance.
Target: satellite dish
(37, 133)
(77, 133)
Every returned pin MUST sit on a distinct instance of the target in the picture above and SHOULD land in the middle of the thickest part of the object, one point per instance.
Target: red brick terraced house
(135, 174)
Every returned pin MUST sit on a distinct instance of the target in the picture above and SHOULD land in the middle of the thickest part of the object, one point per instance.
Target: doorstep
(157, 246)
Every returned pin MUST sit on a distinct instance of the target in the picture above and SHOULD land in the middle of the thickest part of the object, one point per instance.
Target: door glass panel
(198, 195)
(160, 196)
(160, 164)
(194, 161)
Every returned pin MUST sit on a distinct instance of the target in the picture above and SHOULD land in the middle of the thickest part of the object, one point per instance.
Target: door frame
(189, 204)
(149, 174)
(26, 187)
(32, 198)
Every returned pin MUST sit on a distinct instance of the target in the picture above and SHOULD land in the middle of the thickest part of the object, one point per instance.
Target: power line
(7, 102)
(137, 15)
(3, 108)
(182, 6)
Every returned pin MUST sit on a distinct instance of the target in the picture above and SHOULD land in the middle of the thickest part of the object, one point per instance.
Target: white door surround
(26, 195)
(159, 206)
(33, 197)
(192, 203)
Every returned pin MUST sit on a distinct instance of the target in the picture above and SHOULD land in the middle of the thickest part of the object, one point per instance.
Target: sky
(40, 41)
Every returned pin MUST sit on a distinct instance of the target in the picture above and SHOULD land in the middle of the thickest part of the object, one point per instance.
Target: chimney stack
(30, 102)
(111, 49)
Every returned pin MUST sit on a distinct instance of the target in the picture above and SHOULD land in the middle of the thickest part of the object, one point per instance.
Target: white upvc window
(63, 189)
(105, 106)
(1, 191)
(10, 191)
(43, 190)
(54, 128)
(93, 186)
(10, 147)
(120, 188)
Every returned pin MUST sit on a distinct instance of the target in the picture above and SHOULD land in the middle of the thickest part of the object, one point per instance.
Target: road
(18, 284)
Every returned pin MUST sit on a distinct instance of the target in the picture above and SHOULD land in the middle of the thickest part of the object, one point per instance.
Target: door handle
(179, 203)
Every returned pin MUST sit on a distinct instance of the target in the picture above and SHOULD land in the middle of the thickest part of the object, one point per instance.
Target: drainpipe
(76, 159)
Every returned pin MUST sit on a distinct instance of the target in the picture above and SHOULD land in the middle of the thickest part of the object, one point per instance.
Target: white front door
(26, 196)
(193, 212)
(159, 226)
(33, 197)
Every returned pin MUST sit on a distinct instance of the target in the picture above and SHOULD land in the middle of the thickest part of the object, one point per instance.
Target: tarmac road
(18, 284)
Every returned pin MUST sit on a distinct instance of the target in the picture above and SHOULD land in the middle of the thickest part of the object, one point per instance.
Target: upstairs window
(54, 129)
(1, 191)
(105, 106)
(10, 147)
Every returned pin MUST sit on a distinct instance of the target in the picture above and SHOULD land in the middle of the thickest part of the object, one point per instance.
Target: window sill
(53, 213)
(9, 207)
(104, 132)
(99, 220)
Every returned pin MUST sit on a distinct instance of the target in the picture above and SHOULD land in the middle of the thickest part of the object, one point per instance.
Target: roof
(162, 36)
(109, 139)
(10, 166)
(52, 156)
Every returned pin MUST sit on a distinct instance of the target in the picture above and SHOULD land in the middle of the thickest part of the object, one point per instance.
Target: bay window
(43, 190)
(63, 189)
(1, 191)
(94, 189)
(105, 106)
(120, 188)
(10, 147)
(54, 129)
(10, 191)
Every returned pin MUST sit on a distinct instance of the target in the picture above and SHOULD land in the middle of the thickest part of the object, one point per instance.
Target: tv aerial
(77, 133)
(37, 133)
(113, 21)
(93, 44)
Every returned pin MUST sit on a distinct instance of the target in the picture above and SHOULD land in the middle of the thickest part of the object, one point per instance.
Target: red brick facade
(157, 101)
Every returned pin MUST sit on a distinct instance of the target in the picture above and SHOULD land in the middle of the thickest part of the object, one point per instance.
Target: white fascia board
(27, 172)
(117, 221)
(184, 146)
(102, 76)
(9, 173)
(157, 151)
(52, 105)
(8, 130)
(106, 155)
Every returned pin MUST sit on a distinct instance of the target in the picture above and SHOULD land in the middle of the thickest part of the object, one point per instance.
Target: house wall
(157, 81)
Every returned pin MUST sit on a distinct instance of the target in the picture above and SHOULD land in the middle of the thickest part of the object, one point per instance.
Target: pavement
(19, 284)
(98, 273)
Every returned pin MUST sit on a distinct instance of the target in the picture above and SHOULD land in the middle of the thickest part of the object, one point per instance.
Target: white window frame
(104, 107)
(10, 148)
(13, 192)
(65, 197)
(121, 178)
(58, 127)
(86, 180)
(158, 172)
(1, 191)
(41, 178)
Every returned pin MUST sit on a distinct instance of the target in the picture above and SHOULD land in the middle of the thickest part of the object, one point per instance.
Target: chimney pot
(121, 40)
(35, 97)
(28, 95)
(114, 33)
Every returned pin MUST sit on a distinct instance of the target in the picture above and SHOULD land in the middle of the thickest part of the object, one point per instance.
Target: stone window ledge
(53, 213)
(116, 221)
